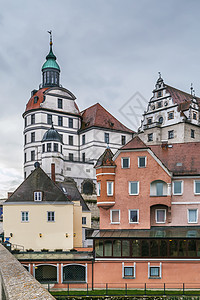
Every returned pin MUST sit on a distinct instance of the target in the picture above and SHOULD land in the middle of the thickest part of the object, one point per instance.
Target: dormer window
(36, 99)
(160, 120)
(149, 121)
(37, 196)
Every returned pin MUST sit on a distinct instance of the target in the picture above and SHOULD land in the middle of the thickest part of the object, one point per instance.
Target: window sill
(158, 195)
(128, 277)
(156, 277)
(114, 223)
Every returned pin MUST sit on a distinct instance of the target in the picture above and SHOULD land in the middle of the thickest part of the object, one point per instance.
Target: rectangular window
(160, 215)
(149, 121)
(83, 220)
(33, 119)
(133, 187)
(98, 188)
(55, 147)
(154, 272)
(70, 123)
(177, 187)
(106, 137)
(71, 156)
(32, 137)
(48, 147)
(24, 216)
(123, 140)
(192, 133)
(159, 94)
(43, 148)
(37, 196)
(60, 121)
(194, 116)
(142, 161)
(60, 103)
(197, 187)
(71, 140)
(170, 115)
(128, 271)
(109, 188)
(49, 119)
(133, 216)
(83, 157)
(159, 104)
(24, 157)
(36, 99)
(115, 216)
(125, 162)
(150, 137)
(25, 121)
(171, 134)
(32, 155)
(83, 139)
(192, 216)
(51, 216)
(25, 139)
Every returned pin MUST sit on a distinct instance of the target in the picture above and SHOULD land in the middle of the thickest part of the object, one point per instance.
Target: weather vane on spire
(50, 32)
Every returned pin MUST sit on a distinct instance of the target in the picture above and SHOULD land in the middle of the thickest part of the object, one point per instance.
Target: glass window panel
(115, 216)
(108, 248)
(160, 215)
(154, 271)
(133, 216)
(125, 248)
(128, 271)
(154, 248)
(145, 248)
(142, 162)
(133, 187)
(177, 187)
(173, 248)
(99, 248)
(191, 248)
(198, 247)
(159, 189)
(182, 248)
(192, 215)
(136, 248)
(117, 248)
(197, 187)
(163, 248)
(125, 162)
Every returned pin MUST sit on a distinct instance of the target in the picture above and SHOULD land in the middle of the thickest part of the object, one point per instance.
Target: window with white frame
(133, 187)
(125, 162)
(160, 215)
(98, 188)
(192, 215)
(51, 216)
(128, 271)
(110, 188)
(142, 161)
(115, 216)
(24, 216)
(37, 196)
(133, 215)
(178, 187)
(197, 187)
(154, 271)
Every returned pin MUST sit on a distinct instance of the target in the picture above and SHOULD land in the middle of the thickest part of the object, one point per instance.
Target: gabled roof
(97, 116)
(177, 95)
(38, 181)
(135, 143)
(70, 189)
(105, 159)
(181, 159)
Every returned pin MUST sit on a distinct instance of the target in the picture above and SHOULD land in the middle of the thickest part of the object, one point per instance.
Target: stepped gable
(38, 181)
(70, 189)
(40, 94)
(180, 158)
(97, 116)
(135, 143)
(105, 159)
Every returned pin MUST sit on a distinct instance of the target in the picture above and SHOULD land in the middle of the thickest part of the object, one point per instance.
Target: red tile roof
(105, 159)
(98, 116)
(135, 143)
(40, 94)
(181, 159)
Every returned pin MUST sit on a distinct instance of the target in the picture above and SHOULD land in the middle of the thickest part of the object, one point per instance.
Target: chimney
(9, 194)
(53, 175)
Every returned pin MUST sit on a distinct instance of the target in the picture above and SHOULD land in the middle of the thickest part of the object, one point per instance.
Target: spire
(50, 69)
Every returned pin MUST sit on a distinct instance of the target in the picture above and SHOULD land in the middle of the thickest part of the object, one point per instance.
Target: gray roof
(39, 181)
(52, 135)
(70, 189)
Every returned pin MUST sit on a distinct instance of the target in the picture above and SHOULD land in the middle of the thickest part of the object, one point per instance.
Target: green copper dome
(51, 61)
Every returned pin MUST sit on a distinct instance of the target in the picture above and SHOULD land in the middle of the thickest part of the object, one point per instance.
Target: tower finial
(159, 73)
(191, 88)
(50, 32)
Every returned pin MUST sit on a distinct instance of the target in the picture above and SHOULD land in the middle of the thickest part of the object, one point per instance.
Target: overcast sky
(109, 51)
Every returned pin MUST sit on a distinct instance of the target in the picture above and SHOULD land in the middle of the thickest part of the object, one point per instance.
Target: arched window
(88, 188)
(158, 188)
(46, 273)
(74, 273)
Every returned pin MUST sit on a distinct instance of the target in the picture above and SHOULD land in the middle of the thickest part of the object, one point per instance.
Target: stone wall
(17, 283)
(92, 204)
